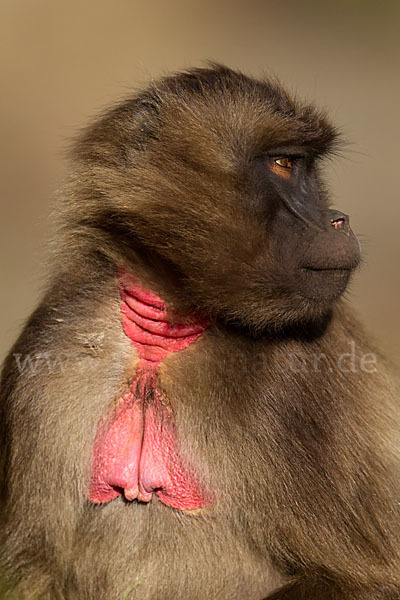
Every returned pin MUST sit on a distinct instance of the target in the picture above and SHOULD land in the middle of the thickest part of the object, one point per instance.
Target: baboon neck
(153, 329)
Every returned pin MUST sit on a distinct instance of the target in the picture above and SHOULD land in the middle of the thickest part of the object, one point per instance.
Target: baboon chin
(193, 411)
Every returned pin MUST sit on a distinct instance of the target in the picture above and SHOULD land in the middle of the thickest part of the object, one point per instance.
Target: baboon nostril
(338, 223)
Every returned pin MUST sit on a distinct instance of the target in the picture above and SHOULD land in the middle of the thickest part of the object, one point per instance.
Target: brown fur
(304, 462)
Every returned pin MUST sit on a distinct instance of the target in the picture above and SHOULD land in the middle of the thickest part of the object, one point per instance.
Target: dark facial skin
(314, 244)
(270, 446)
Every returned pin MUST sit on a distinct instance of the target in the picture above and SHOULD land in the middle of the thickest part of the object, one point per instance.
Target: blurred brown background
(62, 62)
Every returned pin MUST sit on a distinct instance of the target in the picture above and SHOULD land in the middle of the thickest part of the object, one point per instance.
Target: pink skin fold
(135, 451)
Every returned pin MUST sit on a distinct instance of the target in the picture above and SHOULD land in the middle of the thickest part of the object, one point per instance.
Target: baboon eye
(285, 162)
(282, 166)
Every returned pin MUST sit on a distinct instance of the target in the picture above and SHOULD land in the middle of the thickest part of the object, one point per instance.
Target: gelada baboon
(193, 412)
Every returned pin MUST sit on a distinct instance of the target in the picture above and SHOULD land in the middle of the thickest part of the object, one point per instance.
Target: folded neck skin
(136, 446)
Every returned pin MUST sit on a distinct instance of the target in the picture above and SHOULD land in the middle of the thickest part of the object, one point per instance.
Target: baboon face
(218, 177)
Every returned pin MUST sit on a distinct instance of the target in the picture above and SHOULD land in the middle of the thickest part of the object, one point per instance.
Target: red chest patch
(135, 451)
